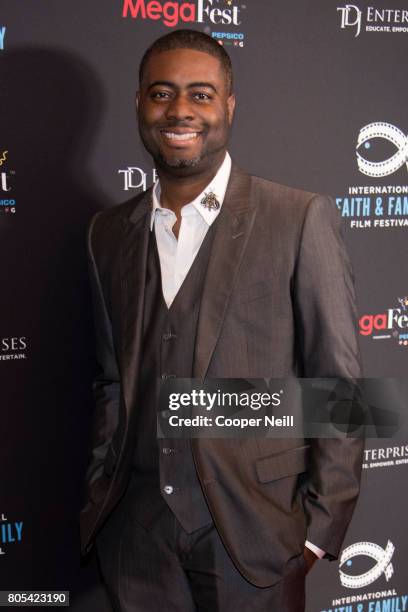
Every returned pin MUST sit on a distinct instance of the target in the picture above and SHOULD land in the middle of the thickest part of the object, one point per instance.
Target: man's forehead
(184, 64)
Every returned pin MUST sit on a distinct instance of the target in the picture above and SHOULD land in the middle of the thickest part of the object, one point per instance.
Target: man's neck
(177, 191)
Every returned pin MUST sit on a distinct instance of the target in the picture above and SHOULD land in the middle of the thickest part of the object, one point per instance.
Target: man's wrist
(319, 552)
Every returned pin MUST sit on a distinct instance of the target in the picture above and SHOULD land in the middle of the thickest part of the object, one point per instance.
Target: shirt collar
(218, 186)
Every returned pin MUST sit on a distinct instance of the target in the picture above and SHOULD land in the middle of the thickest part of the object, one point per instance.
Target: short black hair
(189, 39)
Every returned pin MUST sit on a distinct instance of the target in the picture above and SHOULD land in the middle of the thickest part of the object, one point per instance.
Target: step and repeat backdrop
(321, 105)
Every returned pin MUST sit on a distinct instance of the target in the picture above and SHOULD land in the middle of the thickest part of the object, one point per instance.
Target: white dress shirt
(177, 255)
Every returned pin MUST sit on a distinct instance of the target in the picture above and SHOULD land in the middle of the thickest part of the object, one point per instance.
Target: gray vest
(164, 470)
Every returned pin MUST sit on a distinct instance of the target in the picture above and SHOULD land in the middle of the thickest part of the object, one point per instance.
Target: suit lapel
(133, 273)
(233, 228)
(231, 235)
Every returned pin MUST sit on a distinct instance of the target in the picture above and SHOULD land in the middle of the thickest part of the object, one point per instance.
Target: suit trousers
(161, 568)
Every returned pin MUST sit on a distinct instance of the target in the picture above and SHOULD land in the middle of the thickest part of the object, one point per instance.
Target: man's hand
(310, 558)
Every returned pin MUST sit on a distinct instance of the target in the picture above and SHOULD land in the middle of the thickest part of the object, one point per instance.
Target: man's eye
(160, 95)
(201, 96)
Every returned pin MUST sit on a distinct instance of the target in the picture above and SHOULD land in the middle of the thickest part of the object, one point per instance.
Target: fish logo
(369, 549)
(385, 131)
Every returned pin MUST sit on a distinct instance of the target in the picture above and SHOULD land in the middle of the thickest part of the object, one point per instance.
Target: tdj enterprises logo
(383, 565)
(212, 12)
(390, 324)
(374, 19)
(136, 178)
(10, 532)
(2, 37)
(385, 456)
(387, 132)
(350, 16)
(12, 348)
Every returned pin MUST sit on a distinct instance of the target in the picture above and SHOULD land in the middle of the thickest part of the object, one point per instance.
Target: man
(218, 274)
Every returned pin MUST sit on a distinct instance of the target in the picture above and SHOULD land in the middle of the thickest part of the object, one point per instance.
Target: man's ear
(231, 107)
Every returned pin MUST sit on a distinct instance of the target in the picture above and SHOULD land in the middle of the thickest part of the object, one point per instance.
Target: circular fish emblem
(369, 549)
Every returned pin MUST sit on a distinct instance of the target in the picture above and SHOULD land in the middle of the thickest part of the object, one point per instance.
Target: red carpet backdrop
(322, 105)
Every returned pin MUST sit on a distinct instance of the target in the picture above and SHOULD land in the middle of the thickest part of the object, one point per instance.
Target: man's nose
(180, 108)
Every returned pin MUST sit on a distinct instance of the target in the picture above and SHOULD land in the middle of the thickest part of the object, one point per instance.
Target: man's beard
(204, 158)
(176, 162)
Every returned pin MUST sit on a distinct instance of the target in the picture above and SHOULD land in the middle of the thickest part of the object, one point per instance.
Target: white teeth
(174, 136)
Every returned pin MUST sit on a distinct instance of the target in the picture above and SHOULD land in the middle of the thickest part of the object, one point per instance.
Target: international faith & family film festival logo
(367, 571)
(383, 565)
(221, 19)
(11, 533)
(371, 19)
(381, 152)
(7, 174)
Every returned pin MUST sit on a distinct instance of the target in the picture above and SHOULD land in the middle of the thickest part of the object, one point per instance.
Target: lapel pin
(210, 201)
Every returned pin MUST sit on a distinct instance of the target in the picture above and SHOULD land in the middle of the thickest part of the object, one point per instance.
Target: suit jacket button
(168, 489)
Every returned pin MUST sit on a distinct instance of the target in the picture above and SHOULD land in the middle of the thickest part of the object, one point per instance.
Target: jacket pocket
(290, 462)
(254, 291)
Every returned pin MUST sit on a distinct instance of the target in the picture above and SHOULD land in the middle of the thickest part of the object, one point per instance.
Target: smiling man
(212, 273)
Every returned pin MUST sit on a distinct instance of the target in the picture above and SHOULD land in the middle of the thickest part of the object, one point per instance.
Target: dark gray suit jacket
(278, 301)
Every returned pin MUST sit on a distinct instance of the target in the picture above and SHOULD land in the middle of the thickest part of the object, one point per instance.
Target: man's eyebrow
(203, 84)
(189, 86)
(166, 83)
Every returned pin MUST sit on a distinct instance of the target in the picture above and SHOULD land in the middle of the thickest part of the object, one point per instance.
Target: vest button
(168, 336)
(167, 451)
(168, 489)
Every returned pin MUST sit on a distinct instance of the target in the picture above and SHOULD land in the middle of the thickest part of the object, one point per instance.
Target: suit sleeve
(325, 313)
(106, 384)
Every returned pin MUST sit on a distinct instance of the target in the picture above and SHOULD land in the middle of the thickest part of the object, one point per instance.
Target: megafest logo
(391, 324)
(215, 14)
(11, 532)
(7, 202)
(368, 564)
(13, 347)
(381, 151)
(373, 19)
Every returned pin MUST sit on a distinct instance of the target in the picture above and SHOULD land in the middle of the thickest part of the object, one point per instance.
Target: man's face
(185, 110)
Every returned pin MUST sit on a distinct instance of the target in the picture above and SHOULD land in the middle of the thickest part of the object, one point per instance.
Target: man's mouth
(179, 136)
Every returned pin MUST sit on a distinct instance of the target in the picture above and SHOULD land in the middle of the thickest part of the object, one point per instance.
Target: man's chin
(179, 162)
